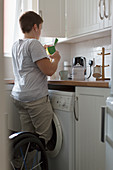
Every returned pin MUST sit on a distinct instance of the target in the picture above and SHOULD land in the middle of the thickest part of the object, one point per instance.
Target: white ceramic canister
(78, 72)
(97, 71)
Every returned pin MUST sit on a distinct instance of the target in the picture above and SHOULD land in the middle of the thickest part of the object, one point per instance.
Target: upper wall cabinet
(84, 16)
(53, 14)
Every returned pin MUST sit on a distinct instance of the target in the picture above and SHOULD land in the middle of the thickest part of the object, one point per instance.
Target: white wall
(3, 125)
(8, 68)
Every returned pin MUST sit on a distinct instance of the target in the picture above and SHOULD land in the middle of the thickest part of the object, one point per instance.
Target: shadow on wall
(8, 68)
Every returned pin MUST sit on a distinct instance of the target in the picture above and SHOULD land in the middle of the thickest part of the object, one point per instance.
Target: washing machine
(63, 156)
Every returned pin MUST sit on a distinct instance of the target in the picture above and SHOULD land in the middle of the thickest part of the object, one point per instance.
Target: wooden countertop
(85, 83)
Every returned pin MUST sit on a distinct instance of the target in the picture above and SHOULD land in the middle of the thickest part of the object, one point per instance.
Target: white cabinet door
(53, 14)
(83, 16)
(105, 13)
(90, 151)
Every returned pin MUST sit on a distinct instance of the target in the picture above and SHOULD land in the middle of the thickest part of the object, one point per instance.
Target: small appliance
(80, 60)
(78, 72)
(63, 104)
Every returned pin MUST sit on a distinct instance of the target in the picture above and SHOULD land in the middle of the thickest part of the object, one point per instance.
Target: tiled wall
(65, 52)
(89, 49)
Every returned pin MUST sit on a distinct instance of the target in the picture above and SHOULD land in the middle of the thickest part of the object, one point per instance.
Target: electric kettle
(78, 72)
(80, 60)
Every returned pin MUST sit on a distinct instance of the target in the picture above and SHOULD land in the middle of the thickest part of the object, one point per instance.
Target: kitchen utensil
(103, 65)
(52, 49)
(63, 74)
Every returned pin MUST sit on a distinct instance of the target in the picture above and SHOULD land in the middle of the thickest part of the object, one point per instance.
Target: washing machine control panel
(62, 102)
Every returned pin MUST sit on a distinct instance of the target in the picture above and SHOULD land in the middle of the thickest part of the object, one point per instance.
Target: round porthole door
(57, 135)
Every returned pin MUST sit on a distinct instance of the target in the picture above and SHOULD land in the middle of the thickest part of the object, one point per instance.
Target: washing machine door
(58, 131)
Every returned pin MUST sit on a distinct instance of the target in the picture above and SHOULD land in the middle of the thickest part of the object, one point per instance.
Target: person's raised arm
(48, 67)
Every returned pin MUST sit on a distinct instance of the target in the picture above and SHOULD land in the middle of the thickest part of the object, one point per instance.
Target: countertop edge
(102, 84)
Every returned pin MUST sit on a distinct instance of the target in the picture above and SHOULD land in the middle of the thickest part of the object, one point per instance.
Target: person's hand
(55, 56)
(46, 46)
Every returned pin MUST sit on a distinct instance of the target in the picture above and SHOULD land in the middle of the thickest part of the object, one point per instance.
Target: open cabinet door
(3, 146)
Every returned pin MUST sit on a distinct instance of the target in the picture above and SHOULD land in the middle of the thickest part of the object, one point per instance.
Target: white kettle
(78, 72)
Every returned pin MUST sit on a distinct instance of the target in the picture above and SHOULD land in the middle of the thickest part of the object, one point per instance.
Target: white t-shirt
(30, 83)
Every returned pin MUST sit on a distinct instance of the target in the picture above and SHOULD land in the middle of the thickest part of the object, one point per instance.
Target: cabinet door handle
(104, 3)
(100, 10)
(103, 123)
(76, 114)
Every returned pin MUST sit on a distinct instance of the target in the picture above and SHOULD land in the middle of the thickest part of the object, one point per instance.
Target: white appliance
(63, 106)
(107, 120)
(63, 155)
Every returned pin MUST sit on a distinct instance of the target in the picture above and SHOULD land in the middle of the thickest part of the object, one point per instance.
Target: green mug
(63, 75)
